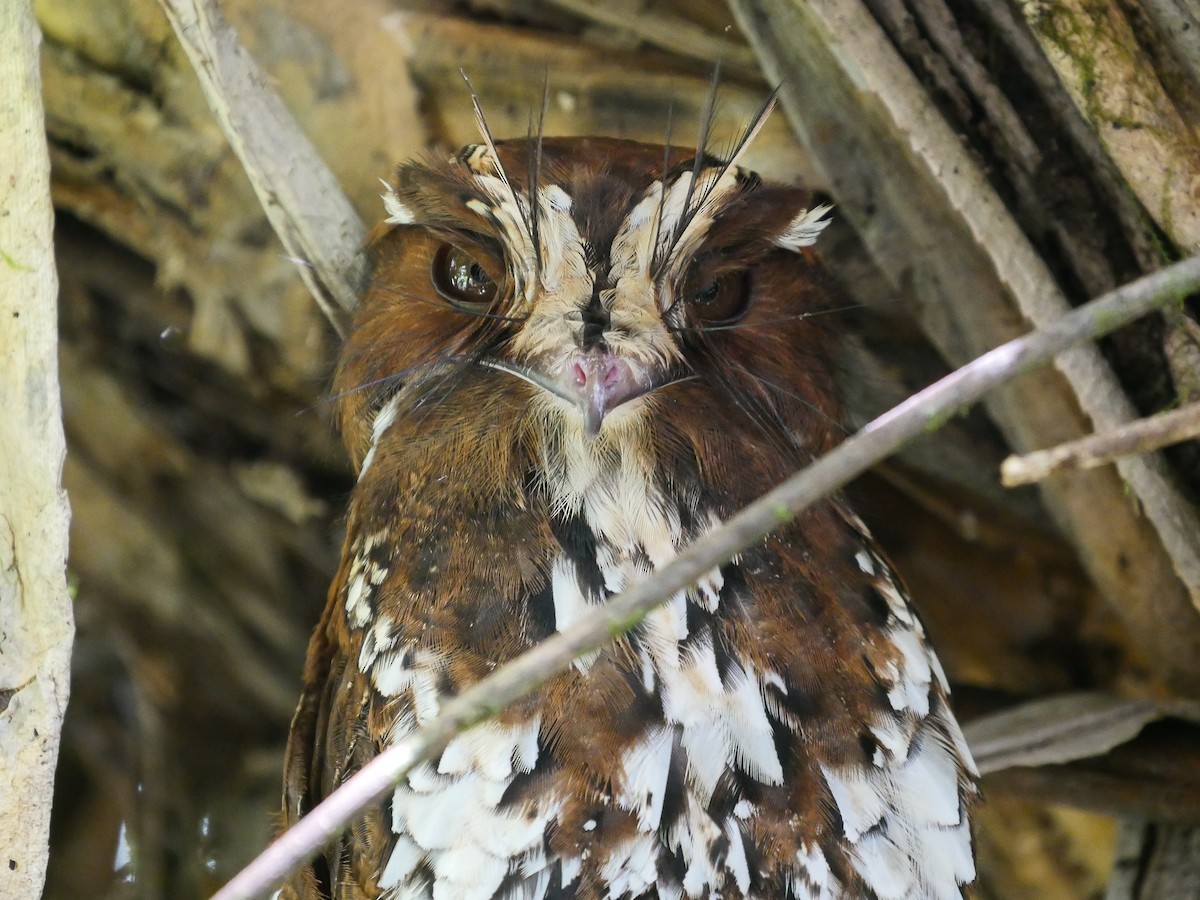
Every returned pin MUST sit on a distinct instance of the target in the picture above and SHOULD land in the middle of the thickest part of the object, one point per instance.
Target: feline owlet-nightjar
(574, 357)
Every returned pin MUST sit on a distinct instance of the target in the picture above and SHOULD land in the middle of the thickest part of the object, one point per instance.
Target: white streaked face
(603, 288)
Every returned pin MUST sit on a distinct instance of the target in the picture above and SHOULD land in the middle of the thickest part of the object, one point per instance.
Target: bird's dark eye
(462, 280)
(723, 300)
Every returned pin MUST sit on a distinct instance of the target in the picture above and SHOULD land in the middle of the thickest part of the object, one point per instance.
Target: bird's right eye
(724, 300)
(462, 279)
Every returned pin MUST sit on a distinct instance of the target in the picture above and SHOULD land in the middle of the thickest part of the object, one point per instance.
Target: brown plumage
(576, 356)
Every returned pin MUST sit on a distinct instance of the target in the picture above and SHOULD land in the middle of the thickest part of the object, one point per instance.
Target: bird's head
(587, 283)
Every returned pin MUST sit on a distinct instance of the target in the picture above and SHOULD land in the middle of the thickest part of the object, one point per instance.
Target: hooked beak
(597, 382)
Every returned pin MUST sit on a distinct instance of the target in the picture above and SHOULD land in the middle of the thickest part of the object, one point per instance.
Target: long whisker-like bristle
(449, 307)
(486, 133)
(750, 132)
(780, 320)
(792, 395)
(702, 139)
(740, 144)
(697, 198)
(663, 192)
(535, 170)
(662, 195)
(431, 359)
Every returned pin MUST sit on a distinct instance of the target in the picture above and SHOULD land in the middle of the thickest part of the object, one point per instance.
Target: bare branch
(307, 208)
(1142, 436)
(921, 413)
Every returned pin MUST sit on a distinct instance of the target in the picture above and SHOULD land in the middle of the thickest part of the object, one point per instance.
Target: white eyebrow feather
(804, 230)
(398, 213)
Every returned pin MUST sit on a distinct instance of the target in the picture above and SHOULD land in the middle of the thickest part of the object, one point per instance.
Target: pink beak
(600, 381)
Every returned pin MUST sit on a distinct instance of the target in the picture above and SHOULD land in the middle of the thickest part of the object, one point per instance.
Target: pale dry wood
(1093, 48)
(929, 217)
(306, 206)
(943, 32)
(921, 413)
(36, 625)
(1141, 436)
(1002, 124)
(669, 32)
(1062, 729)
(592, 91)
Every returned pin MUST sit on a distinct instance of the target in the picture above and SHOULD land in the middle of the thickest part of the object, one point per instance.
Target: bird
(575, 357)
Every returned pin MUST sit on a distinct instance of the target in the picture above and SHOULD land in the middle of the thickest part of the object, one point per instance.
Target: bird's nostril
(597, 368)
(597, 381)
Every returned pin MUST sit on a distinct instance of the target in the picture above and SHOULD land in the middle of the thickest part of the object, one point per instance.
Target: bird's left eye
(723, 300)
(462, 279)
